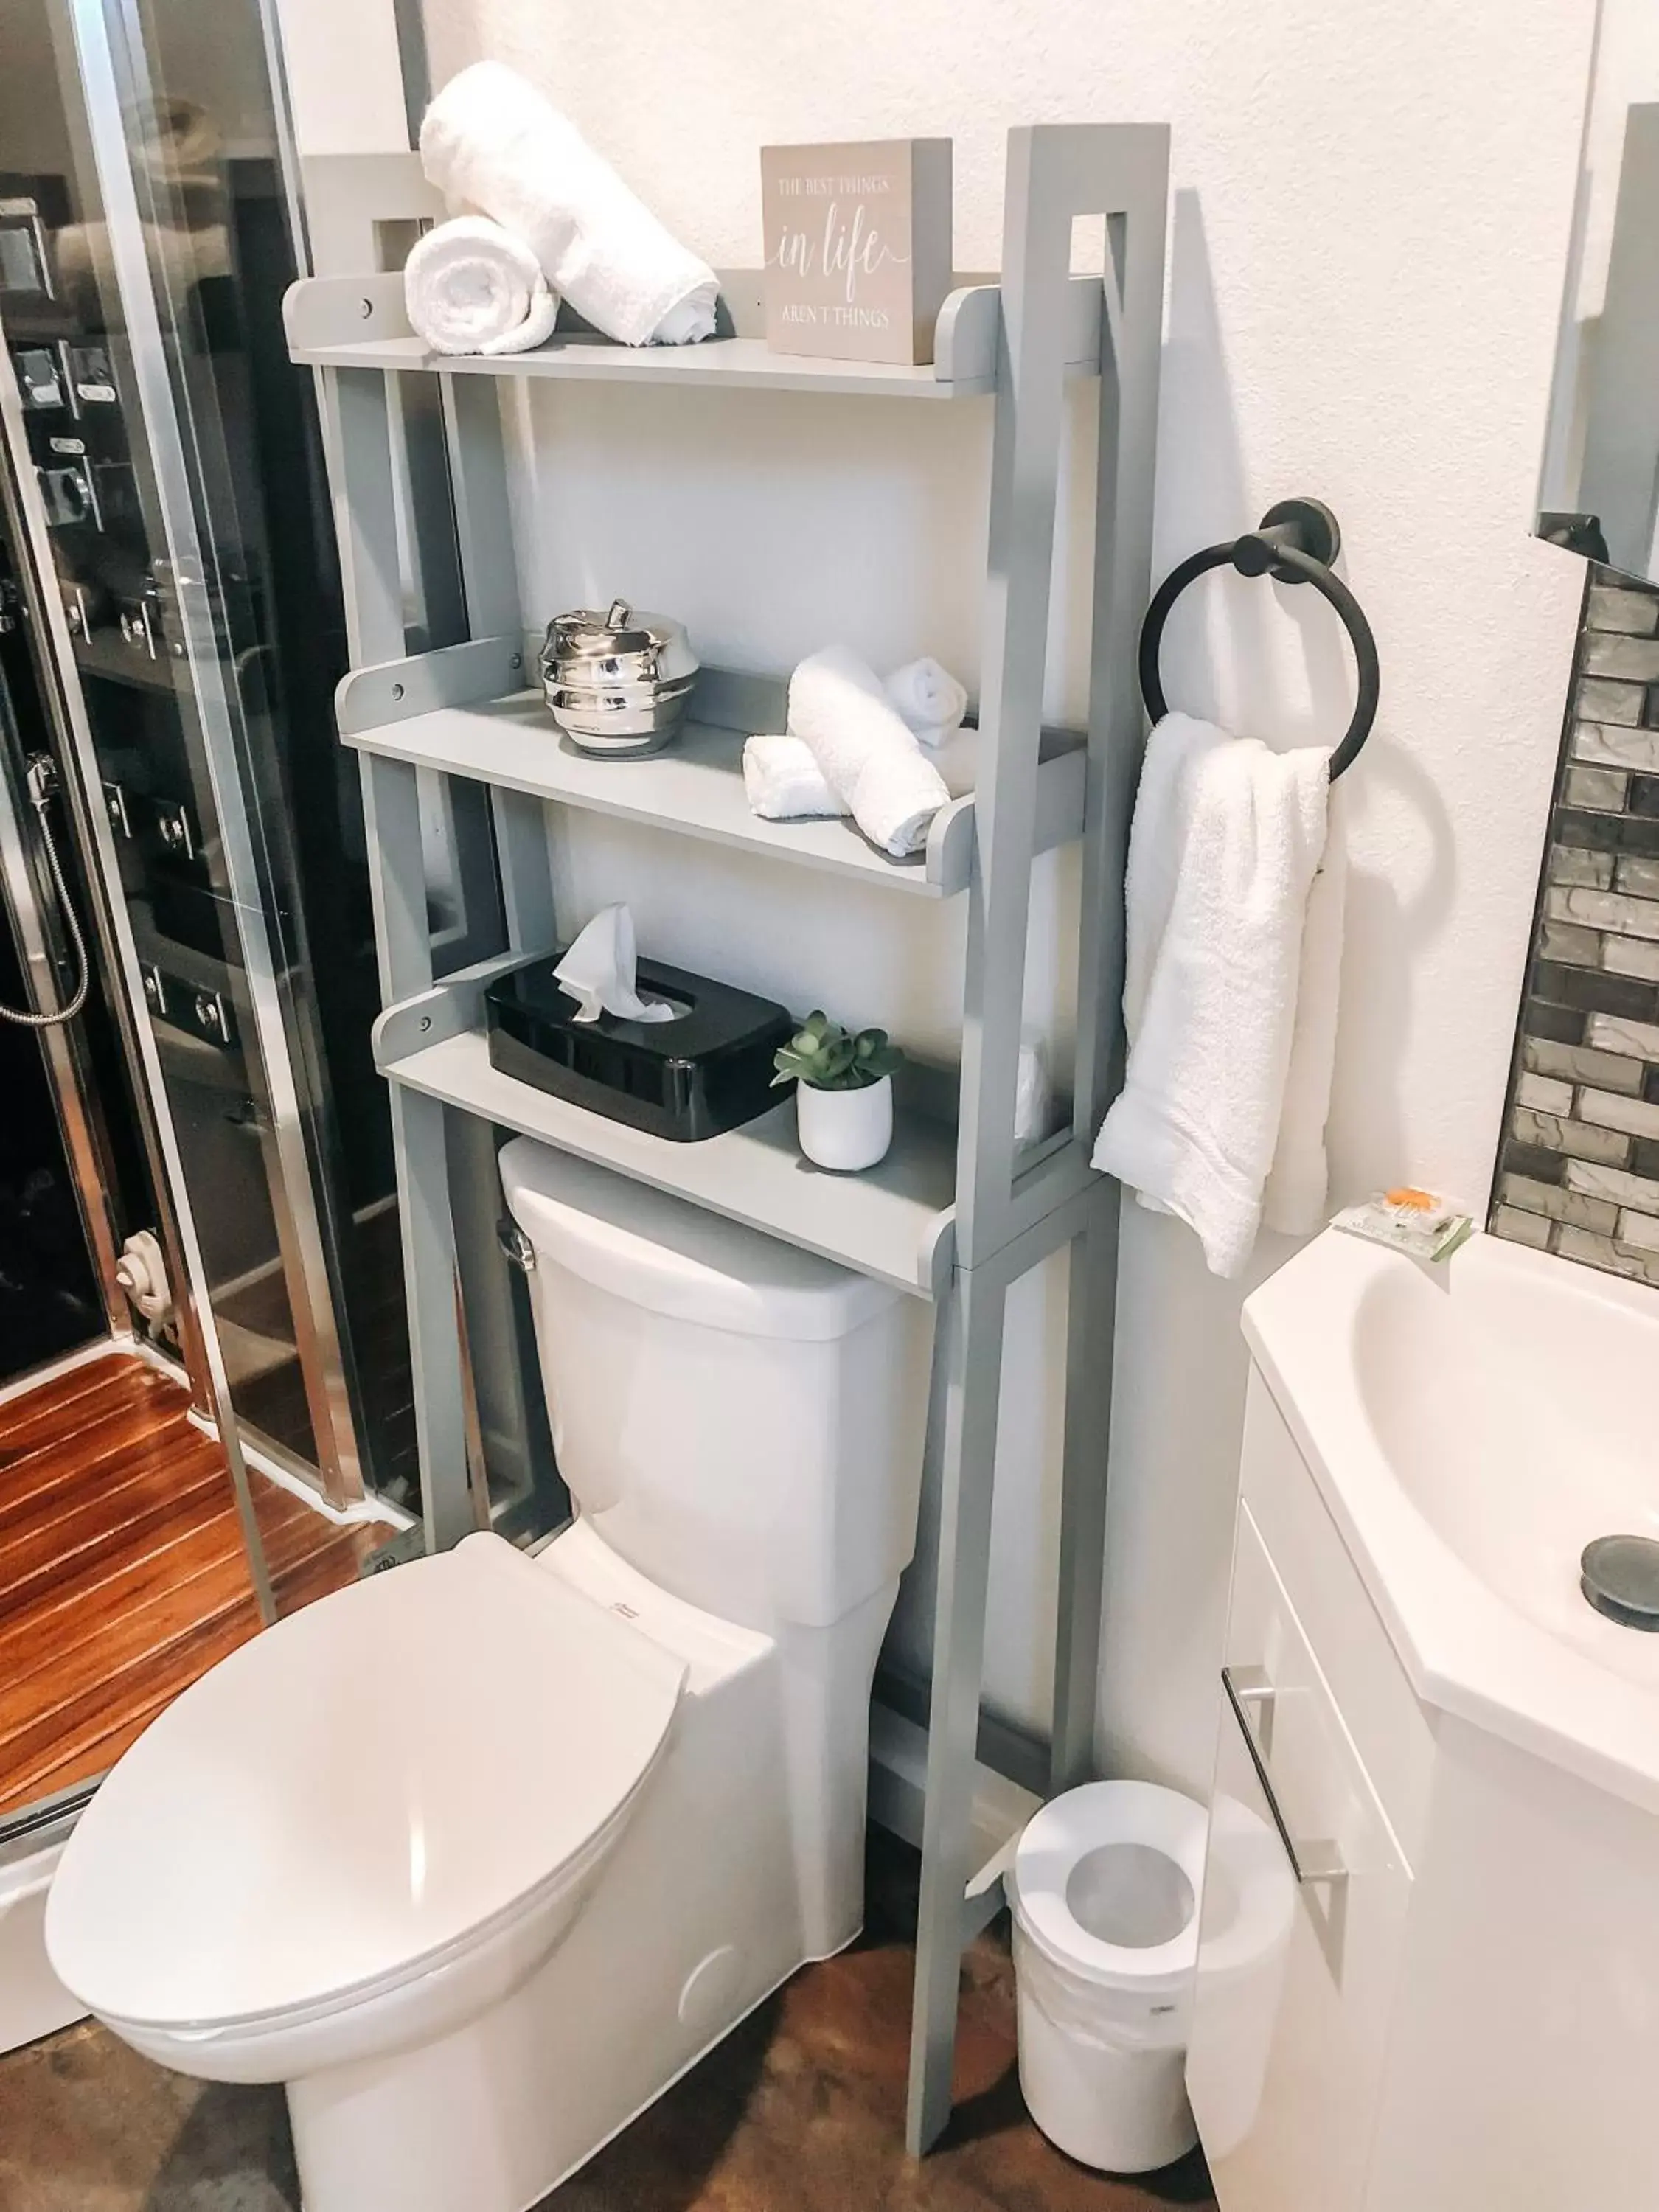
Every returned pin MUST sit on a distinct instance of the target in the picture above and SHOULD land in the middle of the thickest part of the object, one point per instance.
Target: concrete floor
(800, 2110)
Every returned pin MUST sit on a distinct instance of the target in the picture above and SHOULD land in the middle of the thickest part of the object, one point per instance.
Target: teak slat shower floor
(123, 1575)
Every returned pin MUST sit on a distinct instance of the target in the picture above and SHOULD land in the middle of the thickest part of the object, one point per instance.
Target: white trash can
(1104, 1891)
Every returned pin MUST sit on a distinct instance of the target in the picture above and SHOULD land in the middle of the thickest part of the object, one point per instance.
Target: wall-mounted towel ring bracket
(1295, 543)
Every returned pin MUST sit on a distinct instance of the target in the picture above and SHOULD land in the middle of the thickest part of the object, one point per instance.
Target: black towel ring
(1296, 543)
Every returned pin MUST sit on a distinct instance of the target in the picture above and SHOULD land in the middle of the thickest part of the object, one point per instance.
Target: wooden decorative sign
(858, 247)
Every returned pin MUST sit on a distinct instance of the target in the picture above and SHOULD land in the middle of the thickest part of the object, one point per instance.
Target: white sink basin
(1472, 1426)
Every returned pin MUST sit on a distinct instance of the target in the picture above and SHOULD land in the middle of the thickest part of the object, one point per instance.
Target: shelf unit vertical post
(1057, 174)
(1130, 343)
(496, 1322)
(484, 531)
(357, 421)
(967, 1336)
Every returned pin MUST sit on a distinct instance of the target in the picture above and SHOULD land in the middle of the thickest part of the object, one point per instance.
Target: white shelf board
(696, 788)
(361, 322)
(894, 1222)
(731, 364)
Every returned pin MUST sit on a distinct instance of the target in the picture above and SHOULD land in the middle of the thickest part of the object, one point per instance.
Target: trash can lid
(1106, 1881)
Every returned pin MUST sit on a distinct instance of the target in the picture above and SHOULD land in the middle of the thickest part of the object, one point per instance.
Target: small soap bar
(1414, 1222)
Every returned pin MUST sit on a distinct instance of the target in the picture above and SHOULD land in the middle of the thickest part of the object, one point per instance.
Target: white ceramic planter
(846, 1130)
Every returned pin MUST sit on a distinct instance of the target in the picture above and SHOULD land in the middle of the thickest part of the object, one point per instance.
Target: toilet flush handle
(516, 1247)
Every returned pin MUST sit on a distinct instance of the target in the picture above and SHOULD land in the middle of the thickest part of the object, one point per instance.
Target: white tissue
(490, 141)
(471, 287)
(599, 970)
(927, 699)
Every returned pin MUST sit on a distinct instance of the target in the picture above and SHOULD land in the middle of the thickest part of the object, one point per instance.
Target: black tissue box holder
(708, 1070)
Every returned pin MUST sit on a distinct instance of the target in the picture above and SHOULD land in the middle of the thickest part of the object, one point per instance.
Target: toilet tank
(740, 1420)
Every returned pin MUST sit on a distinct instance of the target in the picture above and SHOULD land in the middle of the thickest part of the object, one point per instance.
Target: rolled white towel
(866, 754)
(491, 141)
(927, 699)
(471, 287)
(784, 782)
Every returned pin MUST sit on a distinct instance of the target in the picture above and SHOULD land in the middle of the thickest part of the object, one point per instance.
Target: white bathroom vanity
(1451, 1759)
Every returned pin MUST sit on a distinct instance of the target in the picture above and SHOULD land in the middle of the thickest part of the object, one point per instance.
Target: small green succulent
(826, 1057)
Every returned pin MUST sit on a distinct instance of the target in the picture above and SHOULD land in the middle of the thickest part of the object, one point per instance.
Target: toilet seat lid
(400, 1765)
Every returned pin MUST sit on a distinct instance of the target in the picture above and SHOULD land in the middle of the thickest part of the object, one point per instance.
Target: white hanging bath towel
(1226, 838)
(471, 287)
(1297, 1201)
(490, 141)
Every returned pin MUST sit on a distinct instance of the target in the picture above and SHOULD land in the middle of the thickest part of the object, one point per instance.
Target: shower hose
(42, 783)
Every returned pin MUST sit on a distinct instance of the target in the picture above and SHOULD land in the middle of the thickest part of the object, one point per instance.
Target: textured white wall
(1367, 237)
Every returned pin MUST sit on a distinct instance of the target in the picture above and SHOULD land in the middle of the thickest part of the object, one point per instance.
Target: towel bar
(1295, 543)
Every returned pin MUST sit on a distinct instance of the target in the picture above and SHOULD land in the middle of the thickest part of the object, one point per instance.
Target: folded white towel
(490, 141)
(866, 754)
(471, 287)
(927, 699)
(1225, 839)
(1298, 1189)
(783, 782)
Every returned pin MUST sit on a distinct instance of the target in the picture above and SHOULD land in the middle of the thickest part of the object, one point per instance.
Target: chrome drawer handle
(1319, 1862)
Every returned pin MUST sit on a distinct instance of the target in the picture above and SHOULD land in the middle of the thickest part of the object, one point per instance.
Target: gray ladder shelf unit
(953, 1215)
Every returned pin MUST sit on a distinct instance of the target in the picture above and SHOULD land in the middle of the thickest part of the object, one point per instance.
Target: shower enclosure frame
(114, 81)
(106, 51)
(959, 1218)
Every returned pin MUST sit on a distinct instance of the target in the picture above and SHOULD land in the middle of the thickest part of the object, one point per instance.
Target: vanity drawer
(1379, 1707)
(1302, 1923)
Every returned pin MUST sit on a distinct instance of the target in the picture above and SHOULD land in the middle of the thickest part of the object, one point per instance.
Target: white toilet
(478, 1856)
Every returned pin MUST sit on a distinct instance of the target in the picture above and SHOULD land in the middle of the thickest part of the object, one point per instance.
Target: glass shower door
(174, 453)
(174, 463)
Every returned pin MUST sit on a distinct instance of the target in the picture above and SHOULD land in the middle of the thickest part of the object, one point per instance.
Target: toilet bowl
(302, 1869)
(477, 1857)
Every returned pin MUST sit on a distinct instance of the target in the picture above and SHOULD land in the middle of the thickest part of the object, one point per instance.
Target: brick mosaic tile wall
(1578, 1169)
